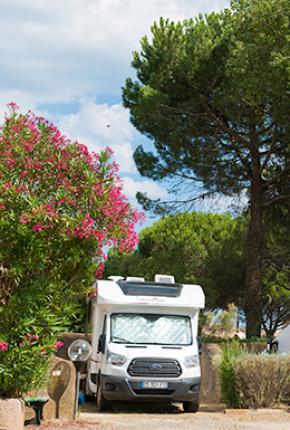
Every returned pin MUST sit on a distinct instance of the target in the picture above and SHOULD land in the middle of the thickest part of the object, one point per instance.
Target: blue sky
(67, 59)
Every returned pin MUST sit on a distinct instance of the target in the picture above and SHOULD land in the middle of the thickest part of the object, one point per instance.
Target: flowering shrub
(24, 364)
(60, 207)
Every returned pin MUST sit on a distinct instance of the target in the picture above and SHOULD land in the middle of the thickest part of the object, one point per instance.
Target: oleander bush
(24, 364)
(61, 207)
(262, 381)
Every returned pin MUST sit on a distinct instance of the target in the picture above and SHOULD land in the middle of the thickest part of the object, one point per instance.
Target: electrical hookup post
(79, 352)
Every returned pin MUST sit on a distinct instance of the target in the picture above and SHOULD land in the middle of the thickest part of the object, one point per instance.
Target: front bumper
(118, 388)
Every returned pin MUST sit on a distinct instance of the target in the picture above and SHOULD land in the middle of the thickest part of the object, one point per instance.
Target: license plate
(154, 384)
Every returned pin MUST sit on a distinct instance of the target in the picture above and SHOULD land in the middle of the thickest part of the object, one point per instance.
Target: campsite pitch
(151, 417)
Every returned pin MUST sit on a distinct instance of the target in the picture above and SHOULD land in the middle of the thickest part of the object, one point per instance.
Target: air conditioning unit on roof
(165, 279)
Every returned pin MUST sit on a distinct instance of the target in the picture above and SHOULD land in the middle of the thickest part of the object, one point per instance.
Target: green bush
(254, 344)
(24, 364)
(262, 380)
(225, 366)
(61, 207)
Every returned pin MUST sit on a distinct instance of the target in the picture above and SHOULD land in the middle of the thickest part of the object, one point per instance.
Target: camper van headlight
(191, 361)
(116, 359)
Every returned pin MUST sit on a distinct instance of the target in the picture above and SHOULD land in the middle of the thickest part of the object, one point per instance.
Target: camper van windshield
(151, 329)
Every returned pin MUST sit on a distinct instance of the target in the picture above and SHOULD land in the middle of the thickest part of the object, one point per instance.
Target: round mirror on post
(79, 351)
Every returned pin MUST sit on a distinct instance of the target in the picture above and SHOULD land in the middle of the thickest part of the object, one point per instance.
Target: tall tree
(194, 248)
(277, 267)
(213, 95)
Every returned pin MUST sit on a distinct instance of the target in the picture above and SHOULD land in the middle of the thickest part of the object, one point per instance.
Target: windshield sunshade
(151, 329)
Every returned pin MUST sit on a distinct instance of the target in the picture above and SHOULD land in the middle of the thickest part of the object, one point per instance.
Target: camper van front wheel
(102, 403)
(190, 406)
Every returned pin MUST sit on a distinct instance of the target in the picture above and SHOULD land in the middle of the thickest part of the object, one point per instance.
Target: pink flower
(7, 185)
(100, 270)
(109, 151)
(13, 106)
(23, 219)
(49, 208)
(58, 344)
(32, 336)
(28, 147)
(20, 188)
(37, 228)
(3, 346)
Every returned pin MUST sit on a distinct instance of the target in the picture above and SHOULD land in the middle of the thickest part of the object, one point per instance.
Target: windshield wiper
(118, 339)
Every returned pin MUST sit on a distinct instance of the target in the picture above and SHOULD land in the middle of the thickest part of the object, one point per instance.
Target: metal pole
(77, 393)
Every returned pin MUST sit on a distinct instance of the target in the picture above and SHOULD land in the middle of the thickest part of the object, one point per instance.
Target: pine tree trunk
(254, 305)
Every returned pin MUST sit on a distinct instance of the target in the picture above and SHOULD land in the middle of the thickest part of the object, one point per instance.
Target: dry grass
(263, 380)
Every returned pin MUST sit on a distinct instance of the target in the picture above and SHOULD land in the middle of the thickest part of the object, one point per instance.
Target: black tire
(102, 403)
(190, 406)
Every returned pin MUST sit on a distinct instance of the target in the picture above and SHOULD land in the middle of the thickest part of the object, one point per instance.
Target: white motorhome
(281, 344)
(144, 341)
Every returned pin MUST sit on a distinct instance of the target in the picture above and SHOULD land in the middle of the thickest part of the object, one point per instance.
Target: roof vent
(165, 279)
(135, 279)
(115, 278)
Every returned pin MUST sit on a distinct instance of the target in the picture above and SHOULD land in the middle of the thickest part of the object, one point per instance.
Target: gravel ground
(144, 416)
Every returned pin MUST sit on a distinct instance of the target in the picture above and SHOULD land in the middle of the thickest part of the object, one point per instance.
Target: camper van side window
(102, 338)
(104, 325)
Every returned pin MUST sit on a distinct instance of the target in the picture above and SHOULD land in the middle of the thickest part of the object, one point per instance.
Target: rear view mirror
(273, 347)
(199, 346)
(102, 343)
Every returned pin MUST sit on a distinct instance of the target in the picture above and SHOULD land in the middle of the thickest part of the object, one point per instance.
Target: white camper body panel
(109, 293)
(110, 300)
(97, 363)
(283, 340)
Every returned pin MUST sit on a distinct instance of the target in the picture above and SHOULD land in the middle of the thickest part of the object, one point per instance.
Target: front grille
(155, 391)
(155, 368)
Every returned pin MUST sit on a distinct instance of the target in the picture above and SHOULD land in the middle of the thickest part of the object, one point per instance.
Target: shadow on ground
(149, 407)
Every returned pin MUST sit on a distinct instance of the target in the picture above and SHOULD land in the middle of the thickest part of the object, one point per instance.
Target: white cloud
(153, 190)
(57, 51)
(220, 203)
(63, 51)
(101, 125)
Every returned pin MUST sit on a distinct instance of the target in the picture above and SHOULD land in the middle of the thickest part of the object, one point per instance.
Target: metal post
(79, 351)
(77, 393)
